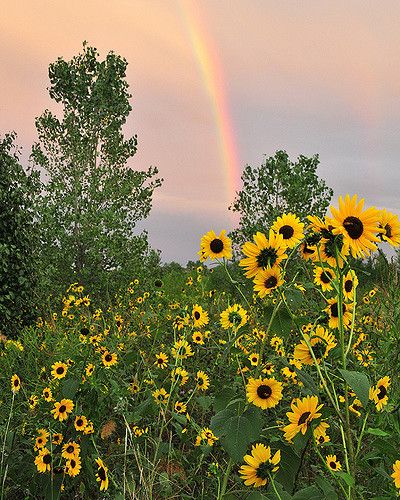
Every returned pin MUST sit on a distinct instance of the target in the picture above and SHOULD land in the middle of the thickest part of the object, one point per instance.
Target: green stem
(225, 481)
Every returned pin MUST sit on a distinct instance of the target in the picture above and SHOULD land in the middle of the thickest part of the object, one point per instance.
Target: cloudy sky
(218, 84)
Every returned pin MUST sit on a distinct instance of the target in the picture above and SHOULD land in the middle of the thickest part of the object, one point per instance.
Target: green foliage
(17, 240)
(278, 186)
(91, 199)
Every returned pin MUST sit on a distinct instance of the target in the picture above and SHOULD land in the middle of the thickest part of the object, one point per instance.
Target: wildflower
(267, 280)
(43, 461)
(233, 317)
(62, 409)
(259, 465)
(323, 277)
(101, 475)
(202, 381)
(303, 412)
(291, 229)
(263, 253)
(59, 370)
(396, 473)
(321, 343)
(161, 396)
(47, 394)
(70, 450)
(215, 247)
(199, 316)
(161, 360)
(333, 463)
(15, 383)
(264, 393)
(109, 359)
(73, 466)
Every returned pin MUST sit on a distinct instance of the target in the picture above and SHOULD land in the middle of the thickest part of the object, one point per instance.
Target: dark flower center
(267, 257)
(264, 391)
(197, 315)
(47, 458)
(158, 283)
(79, 422)
(160, 361)
(102, 474)
(321, 439)
(348, 286)
(60, 370)
(270, 282)
(287, 232)
(235, 318)
(216, 245)
(353, 226)
(332, 465)
(263, 470)
(319, 349)
(382, 392)
(72, 463)
(84, 331)
(307, 249)
(108, 358)
(326, 277)
(16, 382)
(200, 381)
(62, 409)
(303, 418)
(388, 231)
(70, 449)
(335, 310)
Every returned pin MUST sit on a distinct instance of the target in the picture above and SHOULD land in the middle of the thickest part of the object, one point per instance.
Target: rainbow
(212, 73)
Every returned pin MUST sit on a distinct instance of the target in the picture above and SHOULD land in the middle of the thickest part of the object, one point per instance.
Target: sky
(219, 84)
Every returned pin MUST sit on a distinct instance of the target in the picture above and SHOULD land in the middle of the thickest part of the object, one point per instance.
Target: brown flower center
(264, 391)
(353, 226)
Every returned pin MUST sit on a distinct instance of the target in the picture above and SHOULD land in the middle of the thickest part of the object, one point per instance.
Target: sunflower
(47, 394)
(260, 465)
(57, 438)
(379, 394)
(179, 374)
(323, 276)
(390, 226)
(73, 466)
(197, 338)
(101, 475)
(333, 311)
(70, 450)
(303, 412)
(326, 250)
(182, 349)
(89, 369)
(308, 248)
(267, 280)
(264, 393)
(396, 473)
(62, 409)
(333, 463)
(233, 317)
(180, 407)
(202, 381)
(33, 401)
(43, 461)
(263, 253)
(321, 343)
(200, 317)
(59, 370)
(291, 229)
(215, 247)
(355, 407)
(40, 441)
(359, 227)
(109, 359)
(15, 383)
(206, 436)
(320, 434)
(161, 360)
(268, 368)
(350, 282)
(254, 359)
(80, 423)
(161, 396)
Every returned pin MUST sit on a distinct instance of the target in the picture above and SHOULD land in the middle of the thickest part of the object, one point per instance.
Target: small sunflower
(263, 253)
(161, 396)
(40, 441)
(101, 475)
(264, 393)
(33, 401)
(254, 359)
(320, 434)
(202, 381)
(73, 466)
(197, 338)
(380, 393)
(161, 360)
(321, 343)
(59, 370)
(259, 465)
(89, 369)
(359, 227)
(215, 247)
(303, 412)
(333, 463)
(291, 229)
(199, 316)
(323, 277)
(80, 423)
(390, 226)
(180, 407)
(179, 374)
(350, 283)
(15, 383)
(267, 280)
(70, 450)
(57, 438)
(396, 473)
(333, 311)
(62, 409)
(233, 317)
(43, 461)
(47, 394)
(109, 359)
(182, 349)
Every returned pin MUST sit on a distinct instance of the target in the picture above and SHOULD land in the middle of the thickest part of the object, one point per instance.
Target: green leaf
(349, 480)
(327, 488)
(360, 384)
(309, 493)
(377, 432)
(70, 388)
(222, 398)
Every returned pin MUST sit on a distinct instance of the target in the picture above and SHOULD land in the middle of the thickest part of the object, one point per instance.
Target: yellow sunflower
(350, 282)
(202, 381)
(179, 374)
(263, 253)
(70, 450)
(197, 338)
(101, 475)
(215, 247)
(200, 317)
(73, 466)
(333, 312)
(379, 393)
(182, 349)
(47, 394)
(180, 407)
(15, 383)
(390, 226)
(43, 461)
(321, 343)
(161, 396)
(254, 359)
(291, 229)
(323, 277)
(161, 360)
(267, 280)
(259, 465)
(396, 473)
(320, 434)
(333, 463)
(62, 409)
(359, 227)
(59, 370)
(109, 359)
(80, 423)
(303, 412)
(234, 317)
(264, 393)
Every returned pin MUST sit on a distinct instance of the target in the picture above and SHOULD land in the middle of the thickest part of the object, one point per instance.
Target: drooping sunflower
(182, 349)
(333, 463)
(233, 317)
(161, 396)
(80, 423)
(323, 277)
(264, 393)
(62, 409)
(396, 473)
(390, 225)
(360, 228)
(303, 412)
(321, 343)
(161, 360)
(380, 393)
(15, 383)
(43, 461)
(320, 435)
(202, 381)
(259, 465)
(199, 316)
(263, 253)
(179, 374)
(355, 407)
(215, 247)
(101, 475)
(350, 282)
(267, 280)
(333, 312)
(291, 229)
(73, 466)
(109, 359)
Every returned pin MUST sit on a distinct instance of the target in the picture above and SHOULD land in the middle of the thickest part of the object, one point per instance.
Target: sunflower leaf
(360, 384)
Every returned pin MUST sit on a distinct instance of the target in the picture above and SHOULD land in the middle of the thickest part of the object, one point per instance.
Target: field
(270, 376)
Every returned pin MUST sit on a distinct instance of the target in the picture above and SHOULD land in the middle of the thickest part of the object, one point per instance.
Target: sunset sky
(218, 84)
